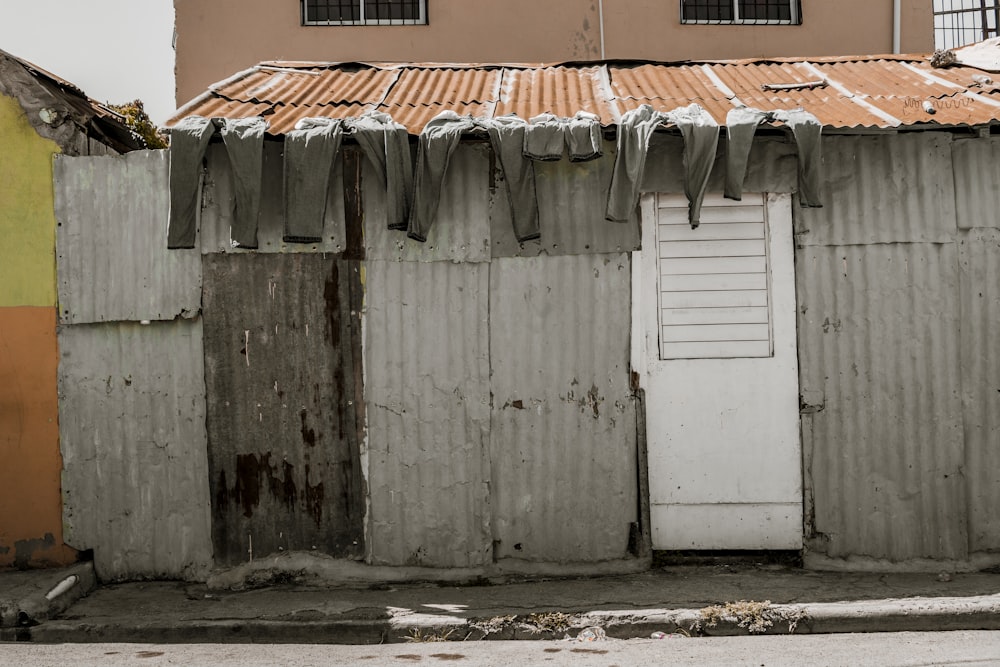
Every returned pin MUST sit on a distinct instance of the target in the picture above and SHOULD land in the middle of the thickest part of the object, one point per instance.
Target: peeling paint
(25, 550)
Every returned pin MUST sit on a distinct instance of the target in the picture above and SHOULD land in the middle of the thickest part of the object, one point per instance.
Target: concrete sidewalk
(702, 600)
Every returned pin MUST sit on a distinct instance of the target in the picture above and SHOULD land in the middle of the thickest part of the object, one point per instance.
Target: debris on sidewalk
(754, 617)
(591, 634)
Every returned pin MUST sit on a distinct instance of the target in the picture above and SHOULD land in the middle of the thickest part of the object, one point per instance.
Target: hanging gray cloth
(244, 139)
(188, 141)
(583, 137)
(386, 144)
(548, 137)
(543, 138)
(701, 141)
(634, 132)
(310, 151)
(507, 138)
(741, 125)
(807, 131)
(438, 141)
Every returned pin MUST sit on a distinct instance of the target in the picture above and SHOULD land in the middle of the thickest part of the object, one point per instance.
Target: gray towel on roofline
(634, 132)
(386, 144)
(507, 138)
(701, 142)
(807, 131)
(583, 137)
(547, 137)
(188, 141)
(741, 125)
(310, 153)
(437, 142)
(244, 140)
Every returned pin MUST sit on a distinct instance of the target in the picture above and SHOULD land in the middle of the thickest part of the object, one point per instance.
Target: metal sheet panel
(427, 393)
(979, 254)
(563, 434)
(562, 91)
(572, 198)
(445, 86)
(882, 189)
(283, 372)
(132, 431)
(882, 414)
(977, 182)
(461, 231)
(111, 242)
(218, 205)
(310, 86)
(772, 166)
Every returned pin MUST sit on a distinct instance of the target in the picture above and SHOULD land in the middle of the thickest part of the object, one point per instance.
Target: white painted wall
(723, 434)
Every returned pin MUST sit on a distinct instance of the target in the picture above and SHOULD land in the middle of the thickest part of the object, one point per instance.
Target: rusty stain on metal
(283, 447)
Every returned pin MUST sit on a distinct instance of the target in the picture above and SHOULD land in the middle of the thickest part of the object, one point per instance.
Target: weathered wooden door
(285, 419)
(715, 315)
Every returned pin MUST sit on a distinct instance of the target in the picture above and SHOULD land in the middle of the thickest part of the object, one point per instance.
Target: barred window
(364, 12)
(786, 12)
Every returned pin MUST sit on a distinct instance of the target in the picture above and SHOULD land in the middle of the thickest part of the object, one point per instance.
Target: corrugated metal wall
(132, 428)
(461, 229)
(427, 391)
(564, 483)
(131, 396)
(888, 188)
(878, 342)
(979, 255)
(112, 263)
(977, 185)
(282, 366)
(879, 318)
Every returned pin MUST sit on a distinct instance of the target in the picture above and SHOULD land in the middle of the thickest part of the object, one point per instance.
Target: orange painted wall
(30, 463)
(219, 38)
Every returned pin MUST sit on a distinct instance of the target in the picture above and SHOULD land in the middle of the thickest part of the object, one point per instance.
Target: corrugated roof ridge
(930, 76)
(388, 89)
(854, 97)
(210, 92)
(728, 92)
(604, 78)
(497, 92)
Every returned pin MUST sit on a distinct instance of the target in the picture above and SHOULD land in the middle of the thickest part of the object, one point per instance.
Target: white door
(714, 333)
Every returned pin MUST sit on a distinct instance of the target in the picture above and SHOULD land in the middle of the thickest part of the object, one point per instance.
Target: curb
(906, 615)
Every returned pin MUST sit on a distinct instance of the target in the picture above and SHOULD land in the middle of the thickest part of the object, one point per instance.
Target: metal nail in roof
(885, 91)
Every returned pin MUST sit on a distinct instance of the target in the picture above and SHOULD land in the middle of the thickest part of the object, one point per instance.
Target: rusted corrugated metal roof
(101, 122)
(843, 92)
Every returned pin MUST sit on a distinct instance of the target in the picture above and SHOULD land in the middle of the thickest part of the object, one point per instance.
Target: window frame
(726, 348)
(795, 8)
(421, 20)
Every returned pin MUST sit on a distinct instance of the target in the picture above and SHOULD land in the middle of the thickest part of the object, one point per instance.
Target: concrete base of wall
(976, 562)
(319, 570)
(33, 596)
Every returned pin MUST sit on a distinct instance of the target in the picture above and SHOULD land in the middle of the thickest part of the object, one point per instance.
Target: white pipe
(63, 586)
(600, 20)
(896, 19)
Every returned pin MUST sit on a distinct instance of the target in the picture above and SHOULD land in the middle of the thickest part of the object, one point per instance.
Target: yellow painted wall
(27, 215)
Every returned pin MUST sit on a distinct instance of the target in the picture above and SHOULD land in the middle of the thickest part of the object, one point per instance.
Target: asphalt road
(882, 649)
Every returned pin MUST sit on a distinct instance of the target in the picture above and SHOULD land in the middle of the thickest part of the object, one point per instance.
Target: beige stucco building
(216, 39)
